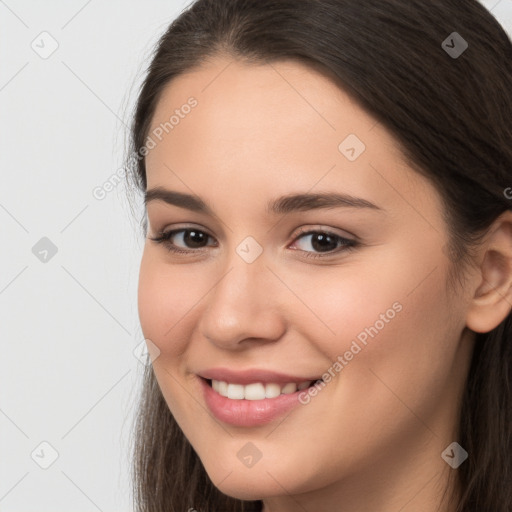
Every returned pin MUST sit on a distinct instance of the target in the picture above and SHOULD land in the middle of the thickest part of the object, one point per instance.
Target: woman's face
(273, 293)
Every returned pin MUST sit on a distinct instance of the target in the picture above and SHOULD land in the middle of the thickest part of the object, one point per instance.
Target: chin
(256, 483)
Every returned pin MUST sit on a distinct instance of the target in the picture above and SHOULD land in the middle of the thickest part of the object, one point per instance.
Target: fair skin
(372, 439)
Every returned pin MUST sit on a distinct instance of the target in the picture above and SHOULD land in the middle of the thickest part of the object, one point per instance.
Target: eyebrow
(279, 206)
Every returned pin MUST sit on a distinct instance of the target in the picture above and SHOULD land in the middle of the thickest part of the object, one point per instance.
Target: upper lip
(252, 375)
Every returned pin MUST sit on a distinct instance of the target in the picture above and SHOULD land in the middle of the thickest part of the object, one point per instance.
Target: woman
(325, 288)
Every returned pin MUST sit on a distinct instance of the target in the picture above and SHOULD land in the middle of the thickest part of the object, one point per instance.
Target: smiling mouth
(258, 390)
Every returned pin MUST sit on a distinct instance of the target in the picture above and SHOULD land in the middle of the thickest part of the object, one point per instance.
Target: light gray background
(68, 324)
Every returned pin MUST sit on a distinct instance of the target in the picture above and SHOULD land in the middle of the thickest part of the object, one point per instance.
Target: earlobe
(492, 298)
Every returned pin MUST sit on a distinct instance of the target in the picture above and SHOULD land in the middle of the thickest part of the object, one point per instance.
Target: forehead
(237, 100)
(269, 129)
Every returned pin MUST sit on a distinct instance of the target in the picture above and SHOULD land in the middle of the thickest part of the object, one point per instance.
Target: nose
(243, 306)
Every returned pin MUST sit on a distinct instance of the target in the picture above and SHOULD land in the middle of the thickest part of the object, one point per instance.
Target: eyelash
(346, 244)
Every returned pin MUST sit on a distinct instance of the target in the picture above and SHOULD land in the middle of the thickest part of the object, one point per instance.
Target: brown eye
(325, 242)
(193, 238)
(188, 239)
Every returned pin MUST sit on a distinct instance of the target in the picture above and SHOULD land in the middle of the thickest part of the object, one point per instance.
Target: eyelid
(325, 229)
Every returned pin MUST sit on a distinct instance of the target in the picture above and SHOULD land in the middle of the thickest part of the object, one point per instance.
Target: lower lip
(247, 413)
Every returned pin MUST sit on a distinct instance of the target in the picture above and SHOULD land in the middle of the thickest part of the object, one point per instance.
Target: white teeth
(272, 390)
(257, 390)
(222, 388)
(235, 391)
(254, 392)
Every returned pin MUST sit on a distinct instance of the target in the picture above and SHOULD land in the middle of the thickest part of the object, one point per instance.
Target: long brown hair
(451, 115)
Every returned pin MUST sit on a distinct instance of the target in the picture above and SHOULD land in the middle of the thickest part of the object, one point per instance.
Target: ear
(492, 298)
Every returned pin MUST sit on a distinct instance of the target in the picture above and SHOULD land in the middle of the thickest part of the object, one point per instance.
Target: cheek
(166, 298)
(394, 318)
(345, 303)
(406, 331)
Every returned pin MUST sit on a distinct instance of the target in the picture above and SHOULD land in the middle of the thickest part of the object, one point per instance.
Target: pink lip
(252, 375)
(248, 413)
